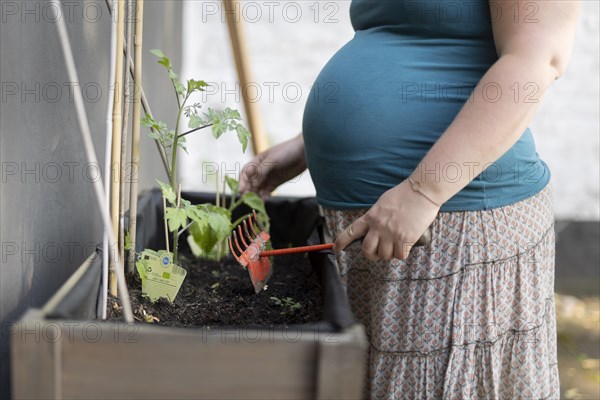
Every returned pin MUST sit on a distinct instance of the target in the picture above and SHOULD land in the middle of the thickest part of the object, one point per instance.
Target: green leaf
(218, 128)
(253, 201)
(225, 121)
(233, 184)
(185, 203)
(276, 300)
(158, 130)
(195, 121)
(220, 223)
(128, 242)
(166, 62)
(243, 134)
(212, 225)
(176, 217)
(167, 192)
(194, 85)
(229, 113)
(182, 144)
(148, 121)
(154, 134)
(176, 81)
(204, 237)
(196, 214)
(163, 60)
(157, 53)
(264, 220)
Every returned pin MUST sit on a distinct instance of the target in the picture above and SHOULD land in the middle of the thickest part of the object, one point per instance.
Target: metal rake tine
(242, 236)
(252, 226)
(237, 244)
(231, 248)
(247, 232)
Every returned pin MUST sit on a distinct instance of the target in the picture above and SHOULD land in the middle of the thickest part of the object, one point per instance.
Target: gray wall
(49, 219)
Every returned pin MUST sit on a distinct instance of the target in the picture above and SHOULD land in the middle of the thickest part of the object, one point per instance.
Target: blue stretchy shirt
(386, 96)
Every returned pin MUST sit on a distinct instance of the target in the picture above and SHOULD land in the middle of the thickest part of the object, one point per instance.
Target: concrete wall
(290, 41)
(49, 218)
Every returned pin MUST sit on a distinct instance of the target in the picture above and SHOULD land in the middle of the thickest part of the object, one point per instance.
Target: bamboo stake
(107, 160)
(127, 93)
(222, 245)
(116, 137)
(135, 136)
(166, 225)
(145, 103)
(90, 152)
(217, 191)
(260, 141)
(224, 194)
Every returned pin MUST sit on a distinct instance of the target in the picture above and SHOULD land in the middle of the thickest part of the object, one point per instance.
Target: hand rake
(253, 255)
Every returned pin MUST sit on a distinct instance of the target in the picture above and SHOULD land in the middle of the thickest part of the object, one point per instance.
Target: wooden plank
(35, 358)
(91, 360)
(161, 363)
(341, 365)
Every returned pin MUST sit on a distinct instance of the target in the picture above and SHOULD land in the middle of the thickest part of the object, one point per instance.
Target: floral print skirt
(471, 316)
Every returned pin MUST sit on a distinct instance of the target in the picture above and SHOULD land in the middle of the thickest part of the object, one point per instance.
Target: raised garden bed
(64, 351)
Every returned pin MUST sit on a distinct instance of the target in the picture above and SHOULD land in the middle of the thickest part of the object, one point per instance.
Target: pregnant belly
(382, 101)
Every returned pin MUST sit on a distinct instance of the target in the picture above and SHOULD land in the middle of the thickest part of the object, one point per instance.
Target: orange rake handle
(424, 240)
(294, 250)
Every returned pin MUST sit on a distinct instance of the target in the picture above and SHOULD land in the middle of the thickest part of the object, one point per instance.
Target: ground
(578, 321)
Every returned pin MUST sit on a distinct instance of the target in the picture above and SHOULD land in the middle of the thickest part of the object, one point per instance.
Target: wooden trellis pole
(116, 141)
(127, 99)
(260, 140)
(135, 136)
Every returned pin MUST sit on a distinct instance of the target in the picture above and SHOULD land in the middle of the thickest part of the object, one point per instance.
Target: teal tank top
(386, 96)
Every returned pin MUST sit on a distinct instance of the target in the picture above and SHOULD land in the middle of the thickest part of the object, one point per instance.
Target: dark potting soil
(221, 294)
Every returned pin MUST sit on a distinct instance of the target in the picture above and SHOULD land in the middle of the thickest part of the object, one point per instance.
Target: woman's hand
(392, 226)
(273, 167)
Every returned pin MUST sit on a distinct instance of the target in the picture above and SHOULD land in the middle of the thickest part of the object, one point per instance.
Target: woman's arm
(533, 41)
(273, 167)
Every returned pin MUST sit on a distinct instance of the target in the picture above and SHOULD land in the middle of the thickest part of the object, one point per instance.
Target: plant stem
(240, 219)
(161, 149)
(186, 227)
(173, 182)
(234, 204)
(194, 130)
(174, 173)
(177, 96)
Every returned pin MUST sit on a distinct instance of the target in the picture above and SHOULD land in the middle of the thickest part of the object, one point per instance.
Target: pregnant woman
(420, 122)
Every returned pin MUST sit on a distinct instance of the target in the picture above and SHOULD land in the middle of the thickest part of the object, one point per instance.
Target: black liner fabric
(82, 301)
(294, 221)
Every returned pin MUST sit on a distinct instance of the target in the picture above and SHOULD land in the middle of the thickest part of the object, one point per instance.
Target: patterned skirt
(471, 316)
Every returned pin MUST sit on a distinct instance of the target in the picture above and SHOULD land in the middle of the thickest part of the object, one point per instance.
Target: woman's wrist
(429, 186)
(417, 187)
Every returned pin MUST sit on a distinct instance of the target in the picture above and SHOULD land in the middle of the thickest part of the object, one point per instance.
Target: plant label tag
(160, 277)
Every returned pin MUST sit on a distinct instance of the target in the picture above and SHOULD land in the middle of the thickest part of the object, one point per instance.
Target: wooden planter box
(62, 351)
